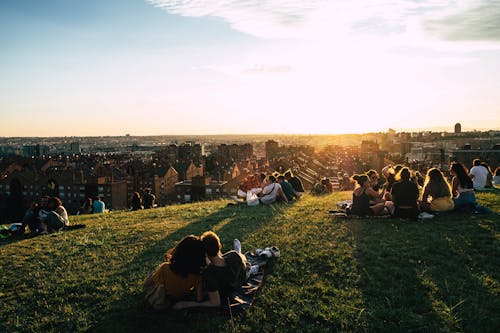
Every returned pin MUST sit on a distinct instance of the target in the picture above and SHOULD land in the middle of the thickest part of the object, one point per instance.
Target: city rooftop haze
(84, 68)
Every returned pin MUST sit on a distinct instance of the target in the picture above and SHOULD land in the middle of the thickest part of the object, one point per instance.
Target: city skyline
(299, 67)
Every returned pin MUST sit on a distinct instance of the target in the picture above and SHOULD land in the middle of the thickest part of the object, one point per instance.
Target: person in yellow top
(437, 195)
(178, 277)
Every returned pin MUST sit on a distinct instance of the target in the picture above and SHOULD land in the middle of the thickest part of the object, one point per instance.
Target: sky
(165, 67)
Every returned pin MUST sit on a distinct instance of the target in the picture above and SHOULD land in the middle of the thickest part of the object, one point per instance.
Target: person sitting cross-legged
(56, 218)
(437, 192)
(405, 195)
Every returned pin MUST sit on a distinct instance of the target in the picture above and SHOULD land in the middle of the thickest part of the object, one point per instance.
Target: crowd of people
(147, 201)
(45, 216)
(266, 189)
(90, 206)
(137, 202)
(401, 192)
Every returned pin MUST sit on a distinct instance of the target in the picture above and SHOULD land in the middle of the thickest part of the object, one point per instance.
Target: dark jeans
(32, 222)
(53, 221)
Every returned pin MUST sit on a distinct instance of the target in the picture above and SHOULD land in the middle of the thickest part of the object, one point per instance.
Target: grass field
(333, 275)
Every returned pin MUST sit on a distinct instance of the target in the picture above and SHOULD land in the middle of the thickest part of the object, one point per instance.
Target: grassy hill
(333, 275)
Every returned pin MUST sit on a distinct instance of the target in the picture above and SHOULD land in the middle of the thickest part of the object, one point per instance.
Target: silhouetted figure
(405, 195)
(86, 207)
(136, 201)
(148, 199)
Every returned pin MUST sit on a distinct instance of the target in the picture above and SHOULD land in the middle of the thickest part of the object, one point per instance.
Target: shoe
(258, 251)
(275, 252)
(266, 253)
(237, 245)
(425, 215)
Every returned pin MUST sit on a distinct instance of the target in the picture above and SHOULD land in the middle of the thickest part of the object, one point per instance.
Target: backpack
(237, 264)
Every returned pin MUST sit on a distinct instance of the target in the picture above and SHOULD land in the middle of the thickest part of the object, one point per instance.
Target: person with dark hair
(489, 176)
(148, 199)
(479, 174)
(287, 188)
(177, 277)
(361, 197)
(87, 207)
(56, 218)
(98, 206)
(437, 192)
(462, 187)
(272, 192)
(405, 195)
(136, 201)
(374, 177)
(31, 219)
(263, 180)
(295, 182)
(419, 179)
(224, 273)
(390, 179)
(376, 185)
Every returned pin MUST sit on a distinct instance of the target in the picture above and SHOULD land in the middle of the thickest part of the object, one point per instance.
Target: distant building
(75, 148)
(164, 181)
(35, 150)
(200, 188)
(189, 151)
(467, 154)
(458, 128)
(272, 148)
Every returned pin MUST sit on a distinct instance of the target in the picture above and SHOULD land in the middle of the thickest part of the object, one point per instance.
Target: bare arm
(454, 187)
(213, 301)
(372, 193)
(425, 196)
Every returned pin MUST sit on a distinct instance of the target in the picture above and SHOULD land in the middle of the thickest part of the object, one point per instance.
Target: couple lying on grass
(196, 266)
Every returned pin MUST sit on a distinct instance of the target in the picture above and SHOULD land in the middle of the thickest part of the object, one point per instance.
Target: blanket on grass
(242, 298)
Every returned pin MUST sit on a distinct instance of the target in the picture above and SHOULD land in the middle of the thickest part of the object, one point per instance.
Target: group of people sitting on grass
(197, 274)
(46, 216)
(402, 194)
(267, 189)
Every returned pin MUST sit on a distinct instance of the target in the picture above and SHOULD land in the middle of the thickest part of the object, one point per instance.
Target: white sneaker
(275, 252)
(425, 215)
(237, 245)
(258, 251)
(266, 253)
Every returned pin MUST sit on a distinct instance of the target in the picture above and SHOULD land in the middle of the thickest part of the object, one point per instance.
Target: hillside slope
(349, 275)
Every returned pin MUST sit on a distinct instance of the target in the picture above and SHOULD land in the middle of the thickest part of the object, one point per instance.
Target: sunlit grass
(333, 275)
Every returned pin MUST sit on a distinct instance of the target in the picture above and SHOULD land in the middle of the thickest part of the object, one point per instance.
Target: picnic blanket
(242, 298)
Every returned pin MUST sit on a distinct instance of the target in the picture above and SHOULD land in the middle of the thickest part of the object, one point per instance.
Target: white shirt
(270, 193)
(480, 174)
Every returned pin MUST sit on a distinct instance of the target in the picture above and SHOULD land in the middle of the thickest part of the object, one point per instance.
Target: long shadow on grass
(422, 277)
(127, 314)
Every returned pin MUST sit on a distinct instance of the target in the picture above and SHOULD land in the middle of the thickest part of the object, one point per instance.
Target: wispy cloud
(467, 21)
(453, 20)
